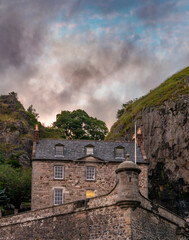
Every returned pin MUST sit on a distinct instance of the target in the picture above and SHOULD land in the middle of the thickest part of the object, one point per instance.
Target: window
(58, 196)
(58, 172)
(59, 150)
(90, 173)
(119, 152)
(89, 150)
(90, 193)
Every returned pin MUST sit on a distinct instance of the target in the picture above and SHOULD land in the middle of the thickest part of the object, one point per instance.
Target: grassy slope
(168, 90)
(13, 111)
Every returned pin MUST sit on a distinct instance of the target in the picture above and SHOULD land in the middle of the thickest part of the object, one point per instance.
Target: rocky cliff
(16, 130)
(163, 116)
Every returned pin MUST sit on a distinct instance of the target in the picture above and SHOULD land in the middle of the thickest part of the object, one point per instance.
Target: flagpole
(135, 144)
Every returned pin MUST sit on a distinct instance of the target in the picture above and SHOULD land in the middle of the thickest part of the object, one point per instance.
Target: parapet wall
(97, 218)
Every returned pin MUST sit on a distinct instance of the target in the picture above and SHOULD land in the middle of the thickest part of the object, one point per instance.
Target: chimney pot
(36, 134)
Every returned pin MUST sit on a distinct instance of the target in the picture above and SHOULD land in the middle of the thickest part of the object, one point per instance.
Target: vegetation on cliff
(168, 91)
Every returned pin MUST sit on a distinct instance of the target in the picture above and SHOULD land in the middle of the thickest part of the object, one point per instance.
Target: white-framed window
(90, 173)
(59, 150)
(89, 150)
(58, 196)
(119, 152)
(58, 172)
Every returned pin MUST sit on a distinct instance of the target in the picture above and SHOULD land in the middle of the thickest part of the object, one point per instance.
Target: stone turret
(128, 187)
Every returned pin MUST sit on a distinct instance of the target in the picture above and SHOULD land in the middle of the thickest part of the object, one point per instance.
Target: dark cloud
(80, 74)
(86, 76)
(23, 26)
(104, 7)
(149, 11)
(152, 12)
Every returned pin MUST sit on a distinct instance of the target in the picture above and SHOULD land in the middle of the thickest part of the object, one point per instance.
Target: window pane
(119, 152)
(58, 172)
(59, 150)
(89, 150)
(90, 193)
(58, 198)
(90, 173)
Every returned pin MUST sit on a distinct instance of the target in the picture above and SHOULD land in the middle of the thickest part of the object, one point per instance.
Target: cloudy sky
(94, 55)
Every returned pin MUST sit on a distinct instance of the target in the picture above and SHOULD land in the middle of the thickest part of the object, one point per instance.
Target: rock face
(163, 116)
(166, 142)
(15, 131)
(165, 132)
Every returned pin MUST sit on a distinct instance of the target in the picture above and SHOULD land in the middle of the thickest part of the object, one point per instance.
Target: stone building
(70, 170)
(122, 214)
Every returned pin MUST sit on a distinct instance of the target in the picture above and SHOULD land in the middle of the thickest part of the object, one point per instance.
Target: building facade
(70, 170)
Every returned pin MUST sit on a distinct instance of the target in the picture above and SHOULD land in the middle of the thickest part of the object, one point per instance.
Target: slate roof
(75, 149)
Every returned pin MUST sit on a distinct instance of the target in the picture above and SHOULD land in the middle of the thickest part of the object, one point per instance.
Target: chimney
(36, 134)
(139, 140)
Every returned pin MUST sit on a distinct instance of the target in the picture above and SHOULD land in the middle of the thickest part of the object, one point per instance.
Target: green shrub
(2, 157)
(17, 182)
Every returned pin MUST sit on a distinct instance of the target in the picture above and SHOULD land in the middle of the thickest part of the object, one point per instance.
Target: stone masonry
(123, 214)
(74, 183)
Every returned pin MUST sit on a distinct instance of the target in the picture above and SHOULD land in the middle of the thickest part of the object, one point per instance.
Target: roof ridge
(57, 139)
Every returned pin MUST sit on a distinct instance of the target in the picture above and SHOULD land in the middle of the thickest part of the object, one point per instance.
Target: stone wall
(96, 218)
(148, 226)
(143, 179)
(74, 183)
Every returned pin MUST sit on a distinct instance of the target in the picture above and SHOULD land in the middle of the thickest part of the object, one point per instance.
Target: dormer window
(89, 150)
(120, 152)
(59, 150)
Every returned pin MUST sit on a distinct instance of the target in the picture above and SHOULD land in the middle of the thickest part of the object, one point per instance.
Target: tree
(79, 125)
(32, 110)
(3, 198)
(2, 157)
(17, 183)
(120, 112)
(33, 115)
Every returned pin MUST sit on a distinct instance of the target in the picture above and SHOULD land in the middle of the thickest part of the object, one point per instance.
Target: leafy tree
(3, 197)
(2, 157)
(33, 115)
(32, 110)
(17, 182)
(124, 106)
(79, 125)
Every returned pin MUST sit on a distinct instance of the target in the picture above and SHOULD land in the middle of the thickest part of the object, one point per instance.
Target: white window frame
(62, 152)
(119, 148)
(56, 169)
(90, 149)
(89, 174)
(60, 195)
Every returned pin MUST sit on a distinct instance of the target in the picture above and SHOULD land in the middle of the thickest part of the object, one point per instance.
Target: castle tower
(128, 186)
